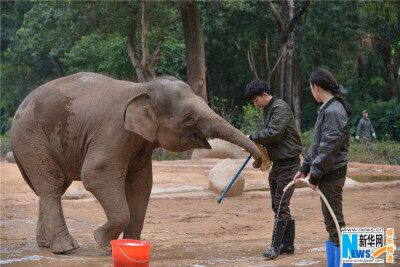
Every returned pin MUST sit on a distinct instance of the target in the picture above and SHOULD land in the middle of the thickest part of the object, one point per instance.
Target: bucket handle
(130, 258)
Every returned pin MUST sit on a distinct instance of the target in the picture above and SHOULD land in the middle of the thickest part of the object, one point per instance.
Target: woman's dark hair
(326, 81)
(256, 88)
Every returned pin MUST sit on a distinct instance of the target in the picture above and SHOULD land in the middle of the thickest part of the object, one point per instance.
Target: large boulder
(221, 175)
(75, 191)
(10, 157)
(220, 149)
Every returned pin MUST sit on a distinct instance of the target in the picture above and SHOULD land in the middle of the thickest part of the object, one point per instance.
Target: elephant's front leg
(107, 184)
(138, 189)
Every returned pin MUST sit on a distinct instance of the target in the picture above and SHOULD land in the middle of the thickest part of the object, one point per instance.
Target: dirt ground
(187, 227)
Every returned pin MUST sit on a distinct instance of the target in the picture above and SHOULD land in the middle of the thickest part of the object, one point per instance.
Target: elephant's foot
(64, 244)
(102, 240)
(43, 243)
(41, 239)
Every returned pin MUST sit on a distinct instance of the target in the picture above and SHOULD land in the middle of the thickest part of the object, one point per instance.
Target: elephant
(102, 131)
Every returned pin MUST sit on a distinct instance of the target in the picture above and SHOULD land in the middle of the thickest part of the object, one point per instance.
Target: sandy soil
(188, 228)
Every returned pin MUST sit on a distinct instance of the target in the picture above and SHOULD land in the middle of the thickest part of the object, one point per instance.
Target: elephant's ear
(140, 117)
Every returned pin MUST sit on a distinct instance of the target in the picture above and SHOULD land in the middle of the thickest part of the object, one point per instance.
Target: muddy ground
(188, 228)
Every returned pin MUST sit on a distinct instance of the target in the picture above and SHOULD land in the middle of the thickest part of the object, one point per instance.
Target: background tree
(44, 40)
(195, 56)
(382, 26)
(286, 20)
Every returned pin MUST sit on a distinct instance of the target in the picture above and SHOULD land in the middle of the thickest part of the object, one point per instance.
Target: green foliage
(225, 108)
(5, 144)
(306, 141)
(43, 40)
(384, 116)
(377, 152)
(251, 119)
(97, 53)
(174, 52)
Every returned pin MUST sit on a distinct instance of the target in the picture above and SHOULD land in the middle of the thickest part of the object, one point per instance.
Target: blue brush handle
(234, 179)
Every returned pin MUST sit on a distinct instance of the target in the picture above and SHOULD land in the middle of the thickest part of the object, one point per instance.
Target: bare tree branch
(275, 13)
(269, 74)
(251, 60)
(298, 15)
(172, 22)
(277, 62)
(145, 44)
(133, 52)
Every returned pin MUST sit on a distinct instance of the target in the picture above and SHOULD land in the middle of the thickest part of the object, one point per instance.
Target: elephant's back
(66, 107)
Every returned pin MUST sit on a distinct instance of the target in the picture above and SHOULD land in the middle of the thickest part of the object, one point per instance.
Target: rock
(75, 191)
(221, 175)
(220, 149)
(10, 157)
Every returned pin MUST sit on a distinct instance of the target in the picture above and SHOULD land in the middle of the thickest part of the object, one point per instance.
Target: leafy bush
(5, 144)
(306, 140)
(98, 53)
(384, 116)
(379, 152)
(251, 119)
(225, 108)
(376, 152)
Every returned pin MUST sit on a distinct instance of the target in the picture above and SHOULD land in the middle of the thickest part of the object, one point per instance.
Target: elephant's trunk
(219, 128)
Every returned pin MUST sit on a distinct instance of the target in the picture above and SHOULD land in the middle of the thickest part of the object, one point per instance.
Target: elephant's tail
(21, 169)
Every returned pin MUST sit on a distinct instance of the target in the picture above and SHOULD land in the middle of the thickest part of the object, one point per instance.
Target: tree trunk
(286, 22)
(287, 87)
(386, 52)
(144, 63)
(296, 93)
(280, 79)
(195, 56)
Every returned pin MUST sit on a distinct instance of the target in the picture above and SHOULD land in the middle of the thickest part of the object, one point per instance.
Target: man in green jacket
(365, 129)
(283, 144)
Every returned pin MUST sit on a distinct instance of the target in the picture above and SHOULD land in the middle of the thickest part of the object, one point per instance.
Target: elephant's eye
(189, 119)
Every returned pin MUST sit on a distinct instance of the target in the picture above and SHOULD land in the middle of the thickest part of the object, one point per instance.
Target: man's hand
(374, 136)
(256, 164)
(357, 137)
(253, 136)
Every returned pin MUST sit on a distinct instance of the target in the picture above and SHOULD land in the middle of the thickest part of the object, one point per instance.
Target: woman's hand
(313, 187)
(300, 175)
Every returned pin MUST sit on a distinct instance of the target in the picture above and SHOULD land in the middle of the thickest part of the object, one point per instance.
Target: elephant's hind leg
(57, 235)
(41, 237)
(49, 182)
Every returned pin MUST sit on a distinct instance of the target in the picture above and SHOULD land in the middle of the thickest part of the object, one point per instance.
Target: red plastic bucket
(129, 252)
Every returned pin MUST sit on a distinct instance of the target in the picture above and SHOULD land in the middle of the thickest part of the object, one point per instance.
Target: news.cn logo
(365, 245)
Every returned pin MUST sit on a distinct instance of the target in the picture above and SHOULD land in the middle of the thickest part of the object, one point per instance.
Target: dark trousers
(279, 178)
(332, 190)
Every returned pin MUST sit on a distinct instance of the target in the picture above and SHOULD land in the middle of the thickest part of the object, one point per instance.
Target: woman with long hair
(326, 161)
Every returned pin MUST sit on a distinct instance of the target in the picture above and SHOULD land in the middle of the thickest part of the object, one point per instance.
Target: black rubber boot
(287, 246)
(274, 251)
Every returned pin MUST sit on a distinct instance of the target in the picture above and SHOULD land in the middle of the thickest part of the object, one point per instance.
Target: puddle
(33, 258)
(317, 249)
(305, 263)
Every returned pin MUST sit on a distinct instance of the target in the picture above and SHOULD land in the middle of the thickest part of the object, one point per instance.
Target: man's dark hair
(256, 88)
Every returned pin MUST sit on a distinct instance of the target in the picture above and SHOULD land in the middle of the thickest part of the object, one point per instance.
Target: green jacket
(327, 156)
(365, 129)
(279, 135)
